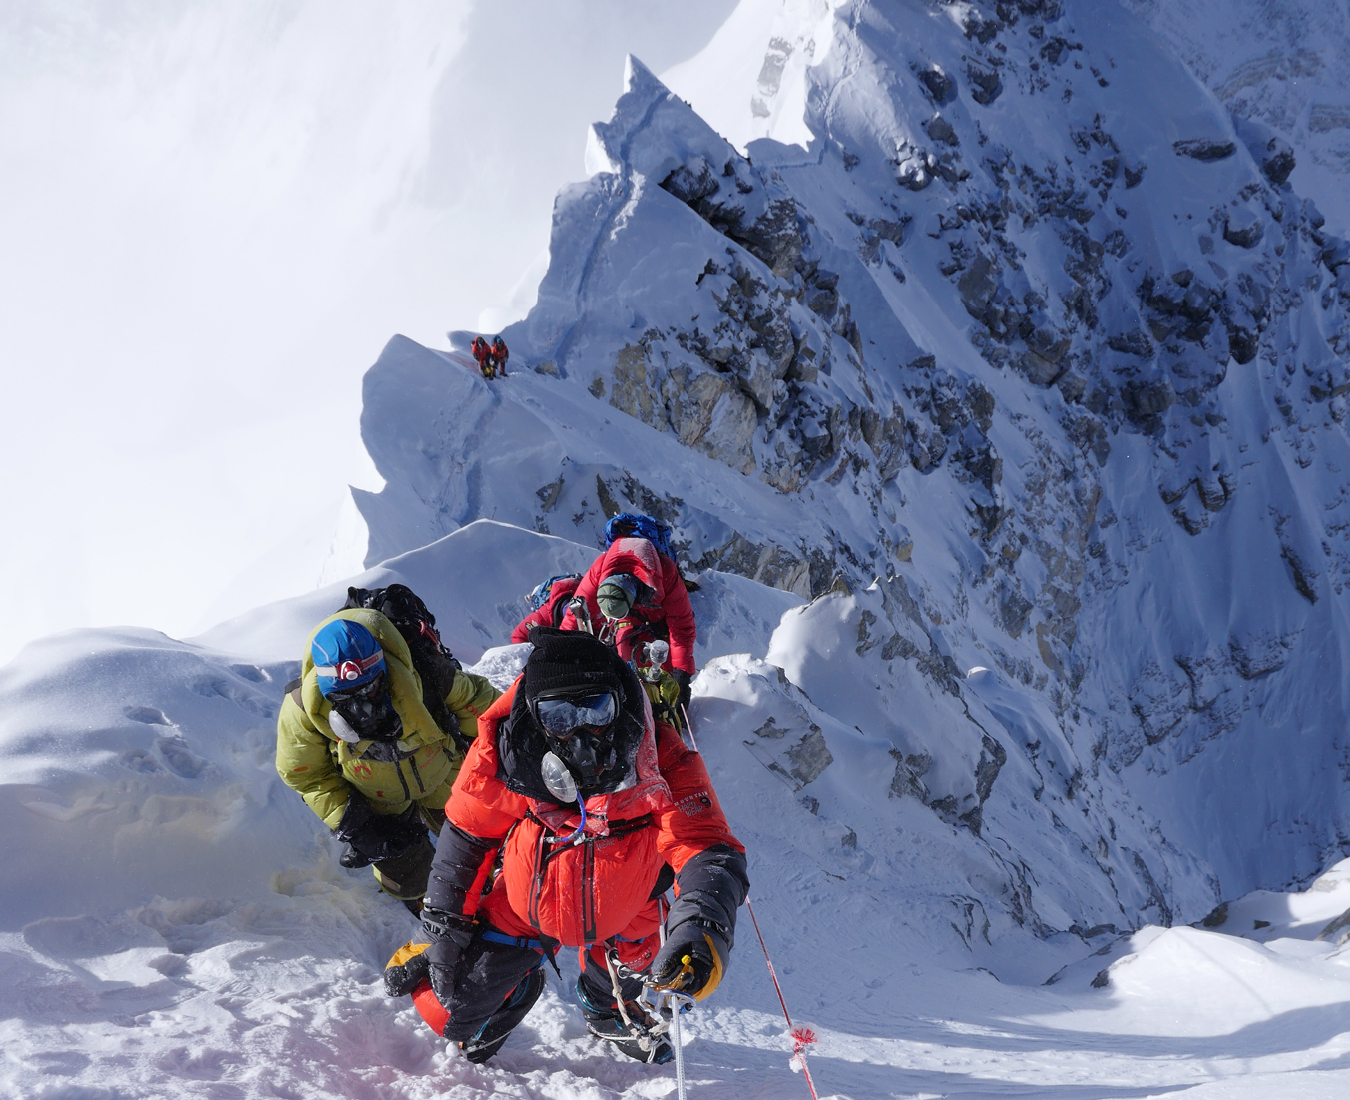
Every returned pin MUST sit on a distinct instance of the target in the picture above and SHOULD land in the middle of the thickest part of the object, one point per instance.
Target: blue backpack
(632, 525)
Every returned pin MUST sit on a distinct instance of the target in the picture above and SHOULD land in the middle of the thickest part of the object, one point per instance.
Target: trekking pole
(802, 1037)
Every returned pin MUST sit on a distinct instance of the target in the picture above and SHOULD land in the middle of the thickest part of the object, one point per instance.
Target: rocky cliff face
(1030, 344)
(1280, 66)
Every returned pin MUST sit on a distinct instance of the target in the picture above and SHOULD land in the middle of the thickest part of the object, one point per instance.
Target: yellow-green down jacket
(324, 769)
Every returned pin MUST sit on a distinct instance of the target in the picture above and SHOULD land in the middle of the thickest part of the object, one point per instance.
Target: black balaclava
(569, 662)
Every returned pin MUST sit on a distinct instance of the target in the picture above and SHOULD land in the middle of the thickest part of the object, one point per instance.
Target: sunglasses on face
(560, 716)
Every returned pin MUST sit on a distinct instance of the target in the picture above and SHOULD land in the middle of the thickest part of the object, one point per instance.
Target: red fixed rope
(802, 1037)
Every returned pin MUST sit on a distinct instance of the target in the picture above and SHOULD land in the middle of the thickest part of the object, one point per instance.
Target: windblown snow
(992, 376)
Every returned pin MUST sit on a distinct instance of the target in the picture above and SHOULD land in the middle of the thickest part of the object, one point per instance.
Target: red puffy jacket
(670, 604)
(587, 892)
(551, 612)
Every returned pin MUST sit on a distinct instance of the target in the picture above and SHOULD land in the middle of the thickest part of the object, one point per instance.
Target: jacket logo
(695, 804)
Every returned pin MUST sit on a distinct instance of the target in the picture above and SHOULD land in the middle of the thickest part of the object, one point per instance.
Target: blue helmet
(345, 655)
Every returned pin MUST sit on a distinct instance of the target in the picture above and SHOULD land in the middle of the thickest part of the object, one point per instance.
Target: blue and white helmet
(345, 655)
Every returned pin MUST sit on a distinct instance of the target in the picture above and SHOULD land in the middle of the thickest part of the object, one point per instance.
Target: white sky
(214, 217)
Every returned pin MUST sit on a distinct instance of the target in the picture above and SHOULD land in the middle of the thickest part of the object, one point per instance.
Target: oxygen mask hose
(561, 784)
(575, 838)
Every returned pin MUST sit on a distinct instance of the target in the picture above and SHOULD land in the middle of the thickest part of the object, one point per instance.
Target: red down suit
(551, 612)
(589, 892)
(529, 876)
(669, 603)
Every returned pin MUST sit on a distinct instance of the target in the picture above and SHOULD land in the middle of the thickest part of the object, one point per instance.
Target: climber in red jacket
(548, 603)
(482, 353)
(573, 813)
(638, 592)
(500, 355)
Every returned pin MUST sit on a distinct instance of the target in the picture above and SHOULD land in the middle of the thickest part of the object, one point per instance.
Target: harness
(550, 845)
(493, 936)
(547, 947)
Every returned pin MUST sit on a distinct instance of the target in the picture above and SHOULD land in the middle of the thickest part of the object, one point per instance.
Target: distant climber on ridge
(367, 735)
(634, 592)
(500, 355)
(482, 352)
(589, 810)
(548, 604)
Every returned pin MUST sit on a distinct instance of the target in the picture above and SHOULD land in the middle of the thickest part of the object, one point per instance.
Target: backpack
(540, 595)
(632, 525)
(435, 665)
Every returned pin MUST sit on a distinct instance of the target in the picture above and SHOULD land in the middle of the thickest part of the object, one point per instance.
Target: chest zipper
(588, 891)
(541, 858)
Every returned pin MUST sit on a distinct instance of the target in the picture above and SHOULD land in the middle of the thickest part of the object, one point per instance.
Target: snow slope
(1029, 339)
(1280, 63)
(198, 938)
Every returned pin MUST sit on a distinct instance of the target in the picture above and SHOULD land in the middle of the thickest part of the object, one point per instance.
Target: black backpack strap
(293, 690)
(435, 665)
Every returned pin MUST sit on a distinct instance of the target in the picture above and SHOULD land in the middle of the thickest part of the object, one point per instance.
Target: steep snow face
(1030, 356)
(1052, 660)
(1284, 64)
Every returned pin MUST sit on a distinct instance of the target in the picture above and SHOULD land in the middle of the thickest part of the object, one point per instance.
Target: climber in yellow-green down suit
(355, 738)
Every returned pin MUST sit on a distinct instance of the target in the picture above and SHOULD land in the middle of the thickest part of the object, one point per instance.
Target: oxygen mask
(365, 713)
(578, 728)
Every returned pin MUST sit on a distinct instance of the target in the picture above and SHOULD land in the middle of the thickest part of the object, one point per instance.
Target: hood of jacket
(518, 747)
(405, 686)
(639, 557)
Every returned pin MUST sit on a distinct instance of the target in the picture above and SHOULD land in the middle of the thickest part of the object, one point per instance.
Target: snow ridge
(1029, 337)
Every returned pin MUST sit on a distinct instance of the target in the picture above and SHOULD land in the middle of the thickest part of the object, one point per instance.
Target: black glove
(688, 961)
(374, 837)
(682, 678)
(352, 859)
(449, 934)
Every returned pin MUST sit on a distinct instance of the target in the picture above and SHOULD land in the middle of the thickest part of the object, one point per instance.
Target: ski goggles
(370, 690)
(561, 715)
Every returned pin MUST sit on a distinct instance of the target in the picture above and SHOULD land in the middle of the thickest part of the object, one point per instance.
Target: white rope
(675, 1004)
(689, 728)
(618, 991)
